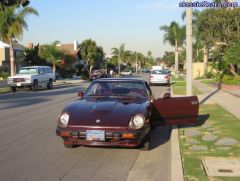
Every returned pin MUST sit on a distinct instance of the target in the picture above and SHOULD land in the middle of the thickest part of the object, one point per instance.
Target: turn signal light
(128, 135)
(65, 134)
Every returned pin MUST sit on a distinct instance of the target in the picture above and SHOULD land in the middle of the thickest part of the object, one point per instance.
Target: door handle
(194, 102)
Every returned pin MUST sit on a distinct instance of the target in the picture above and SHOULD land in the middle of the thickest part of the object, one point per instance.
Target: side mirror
(167, 96)
(80, 94)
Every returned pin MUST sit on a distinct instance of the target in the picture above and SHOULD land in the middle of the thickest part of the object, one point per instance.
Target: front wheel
(66, 145)
(147, 143)
(35, 86)
(49, 86)
(13, 89)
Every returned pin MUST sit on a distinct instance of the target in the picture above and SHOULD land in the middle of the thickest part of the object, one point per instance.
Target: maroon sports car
(121, 112)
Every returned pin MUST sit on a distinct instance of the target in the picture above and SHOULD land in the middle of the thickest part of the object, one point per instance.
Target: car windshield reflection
(117, 89)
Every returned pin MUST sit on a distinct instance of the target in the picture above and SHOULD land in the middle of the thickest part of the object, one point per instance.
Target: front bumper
(159, 81)
(19, 84)
(123, 138)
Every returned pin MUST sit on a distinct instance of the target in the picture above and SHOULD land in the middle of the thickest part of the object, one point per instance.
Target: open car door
(175, 110)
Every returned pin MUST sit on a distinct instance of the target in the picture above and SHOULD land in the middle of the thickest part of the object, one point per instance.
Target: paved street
(30, 149)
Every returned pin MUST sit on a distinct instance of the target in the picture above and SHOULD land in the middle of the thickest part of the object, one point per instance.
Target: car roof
(36, 67)
(119, 79)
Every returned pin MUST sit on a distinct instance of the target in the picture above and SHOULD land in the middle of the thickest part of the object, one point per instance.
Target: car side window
(49, 70)
(41, 71)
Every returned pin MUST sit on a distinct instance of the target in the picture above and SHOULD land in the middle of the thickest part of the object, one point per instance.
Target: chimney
(30, 45)
(75, 45)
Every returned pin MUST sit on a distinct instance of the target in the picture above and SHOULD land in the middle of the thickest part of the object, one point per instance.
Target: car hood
(108, 112)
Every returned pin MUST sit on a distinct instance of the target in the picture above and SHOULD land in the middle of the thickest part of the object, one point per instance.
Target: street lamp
(189, 91)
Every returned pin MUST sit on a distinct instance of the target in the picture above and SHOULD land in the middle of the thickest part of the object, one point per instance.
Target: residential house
(71, 60)
(5, 55)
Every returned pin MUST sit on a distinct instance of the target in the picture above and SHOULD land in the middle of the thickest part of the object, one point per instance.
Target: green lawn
(208, 81)
(220, 123)
(179, 88)
(4, 90)
(177, 79)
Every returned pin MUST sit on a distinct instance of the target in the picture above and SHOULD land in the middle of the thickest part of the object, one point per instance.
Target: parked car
(159, 77)
(126, 72)
(121, 112)
(32, 77)
(97, 73)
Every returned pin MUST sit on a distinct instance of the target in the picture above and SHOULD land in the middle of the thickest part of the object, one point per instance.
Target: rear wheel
(49, 85)
(13, 89)
(35, 86)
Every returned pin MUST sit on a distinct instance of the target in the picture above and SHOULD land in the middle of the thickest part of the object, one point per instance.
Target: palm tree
(12, 25)
(174, 34)
(51, 54)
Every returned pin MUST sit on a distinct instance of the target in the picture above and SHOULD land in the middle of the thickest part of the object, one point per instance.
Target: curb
(176, 161)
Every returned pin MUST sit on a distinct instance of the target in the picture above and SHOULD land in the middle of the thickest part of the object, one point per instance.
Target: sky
(108, 22)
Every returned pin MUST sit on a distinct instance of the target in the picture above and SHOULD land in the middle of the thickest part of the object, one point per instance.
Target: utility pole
(189, 50)
(136, 64)
(119, 61)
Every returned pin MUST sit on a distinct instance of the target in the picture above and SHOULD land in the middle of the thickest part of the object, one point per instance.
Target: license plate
(95, 135)
(19, 84)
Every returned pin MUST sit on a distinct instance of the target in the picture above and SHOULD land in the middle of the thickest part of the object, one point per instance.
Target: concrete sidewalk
(210, 95)
(226, 100)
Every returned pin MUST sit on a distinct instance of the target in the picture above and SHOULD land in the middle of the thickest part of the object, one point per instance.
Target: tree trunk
(232, 70)
(12, 61)
(205, 59)
(176, 59)
(54, 66)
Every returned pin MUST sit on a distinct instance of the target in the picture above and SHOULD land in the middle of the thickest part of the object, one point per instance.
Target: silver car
(159, 77)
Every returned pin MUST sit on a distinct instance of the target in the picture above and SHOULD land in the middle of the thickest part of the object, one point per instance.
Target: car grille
(18, 80)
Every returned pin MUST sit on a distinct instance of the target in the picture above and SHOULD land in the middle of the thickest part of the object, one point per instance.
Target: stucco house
(5, 55)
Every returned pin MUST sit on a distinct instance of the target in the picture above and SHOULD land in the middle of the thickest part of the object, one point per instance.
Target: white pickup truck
(32, 77)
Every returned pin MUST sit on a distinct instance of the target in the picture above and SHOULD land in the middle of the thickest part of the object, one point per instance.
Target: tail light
(151, 76)
(166, 77)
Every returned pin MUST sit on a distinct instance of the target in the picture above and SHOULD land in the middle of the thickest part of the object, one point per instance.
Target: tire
(50, 84)
(35, 86)
(13, 89)
(147, 143)
(69, 145)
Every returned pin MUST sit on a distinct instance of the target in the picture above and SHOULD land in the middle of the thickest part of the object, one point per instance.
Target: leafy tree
(232, 57)
(12, 23)
(51, 54)
(6, 3)
(168, 58)
(175, 35)
(91, 53)
(219, 29)
(32, 57)
(99, 59)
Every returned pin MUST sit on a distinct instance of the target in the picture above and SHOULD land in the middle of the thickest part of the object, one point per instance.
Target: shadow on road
(210, 95)
(200, 121)
(28, 98)
(159, 136)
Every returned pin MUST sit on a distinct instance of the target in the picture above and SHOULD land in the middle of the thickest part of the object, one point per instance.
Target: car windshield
(28, 71)
(162, 72)
(119, 89)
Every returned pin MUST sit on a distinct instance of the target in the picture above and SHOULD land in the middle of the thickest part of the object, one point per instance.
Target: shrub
(85, 75)
(231, 80)
(3, 74)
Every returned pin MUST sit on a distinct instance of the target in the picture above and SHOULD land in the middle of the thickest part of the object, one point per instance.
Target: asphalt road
(30, 149)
